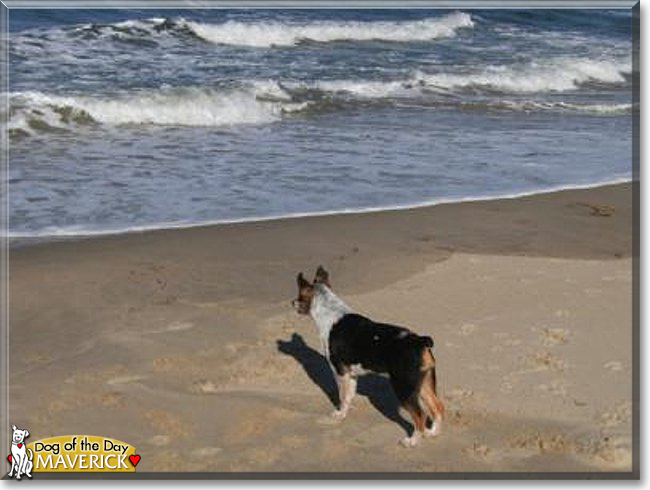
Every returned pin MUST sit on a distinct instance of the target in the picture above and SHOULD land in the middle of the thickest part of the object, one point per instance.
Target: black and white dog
(354, 344)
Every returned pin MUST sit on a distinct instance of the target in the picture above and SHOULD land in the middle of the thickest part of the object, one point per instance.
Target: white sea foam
(531, 105)
(363, 88)
(269, 34)
(553, 75)
(190, 107)
(173, 107)
(266, 101)
(549, 75)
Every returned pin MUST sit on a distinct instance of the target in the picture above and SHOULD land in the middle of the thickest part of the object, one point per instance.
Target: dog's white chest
(358, 370)
(17, 451)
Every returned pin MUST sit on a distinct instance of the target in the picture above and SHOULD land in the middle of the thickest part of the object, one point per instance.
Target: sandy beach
(183, 342)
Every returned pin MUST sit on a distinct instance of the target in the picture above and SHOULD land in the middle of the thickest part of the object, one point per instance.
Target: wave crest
(267, 101)
(274, 33)
(554, 75)
(34, 111)
(279, 34)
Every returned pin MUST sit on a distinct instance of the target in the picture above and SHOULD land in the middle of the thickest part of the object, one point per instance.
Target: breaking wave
(274, 33)
(34, 111)
(280, 34)
(554, 75)
(263, 102)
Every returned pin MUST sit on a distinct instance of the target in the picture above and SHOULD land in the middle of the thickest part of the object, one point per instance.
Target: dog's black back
(378, 347)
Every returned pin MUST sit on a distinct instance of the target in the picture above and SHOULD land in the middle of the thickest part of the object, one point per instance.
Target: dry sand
(182, 342)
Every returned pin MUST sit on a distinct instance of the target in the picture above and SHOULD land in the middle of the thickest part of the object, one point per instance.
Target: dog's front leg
(19, 466)
(347, 389)
(13, 465)
(24, 464)
(350, 391)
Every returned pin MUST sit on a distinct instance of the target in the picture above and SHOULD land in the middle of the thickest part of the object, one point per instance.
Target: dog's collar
(16, 443)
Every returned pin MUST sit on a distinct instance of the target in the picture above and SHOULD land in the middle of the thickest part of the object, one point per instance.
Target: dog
(19, 459)
(354, 345)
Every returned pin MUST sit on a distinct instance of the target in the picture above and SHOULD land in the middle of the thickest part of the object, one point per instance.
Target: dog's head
(19, 435)
(306, 290)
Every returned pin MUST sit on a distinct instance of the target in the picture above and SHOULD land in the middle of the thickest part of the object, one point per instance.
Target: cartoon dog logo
(18, 459)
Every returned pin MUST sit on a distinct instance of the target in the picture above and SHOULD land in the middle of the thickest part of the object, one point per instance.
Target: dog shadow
(373, 386)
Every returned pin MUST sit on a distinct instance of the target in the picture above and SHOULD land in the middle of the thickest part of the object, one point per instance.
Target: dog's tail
(428, 393)
(425, 341)
(31, 454)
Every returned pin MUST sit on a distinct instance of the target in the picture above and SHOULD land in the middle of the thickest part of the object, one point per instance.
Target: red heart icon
(9, 458)
(20, 445)
(135, 459)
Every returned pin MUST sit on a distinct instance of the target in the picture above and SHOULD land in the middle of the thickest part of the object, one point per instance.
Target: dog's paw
(339, 414)
(327, 420)
(433, 431)
(336, 417)
(410, 441)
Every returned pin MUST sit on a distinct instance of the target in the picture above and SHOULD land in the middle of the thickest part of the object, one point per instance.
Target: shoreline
(27, 239)
(538, 225)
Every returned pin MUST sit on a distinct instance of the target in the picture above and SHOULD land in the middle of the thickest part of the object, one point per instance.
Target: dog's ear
(26, 433)
(322, 276)
(302, 282)
(13, 427)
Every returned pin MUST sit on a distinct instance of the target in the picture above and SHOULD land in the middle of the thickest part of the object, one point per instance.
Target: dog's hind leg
(29, 464)
(419, 419)
(405, 385)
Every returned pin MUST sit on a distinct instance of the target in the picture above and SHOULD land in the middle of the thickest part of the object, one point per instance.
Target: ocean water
(134, 119)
